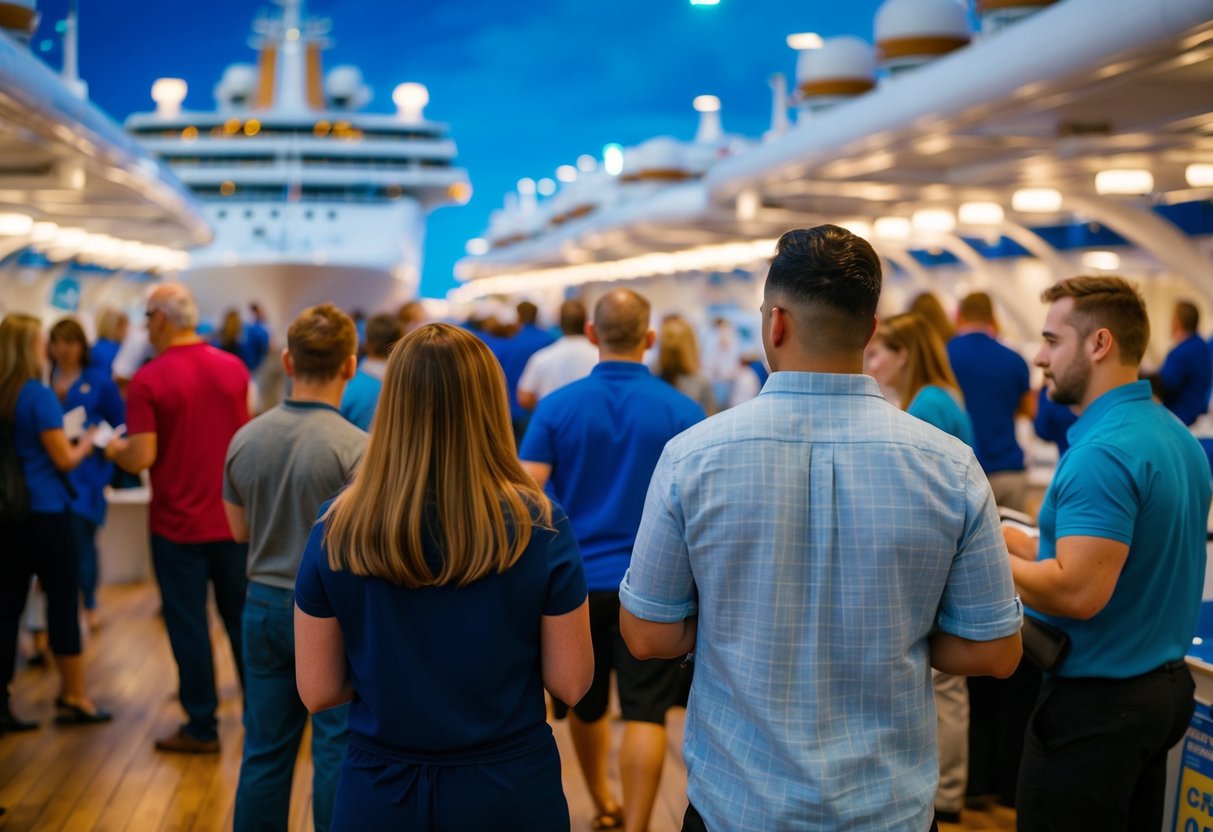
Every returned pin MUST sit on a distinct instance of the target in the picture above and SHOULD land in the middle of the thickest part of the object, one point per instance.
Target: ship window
(248, 213)
(258, 232)
(307, 215)
(332, 215)
(274, 214)
(222, 214)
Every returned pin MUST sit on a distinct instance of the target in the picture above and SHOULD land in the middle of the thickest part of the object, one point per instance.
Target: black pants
(998, 717)
(692, 822)
(41, 545)
(1095, 755)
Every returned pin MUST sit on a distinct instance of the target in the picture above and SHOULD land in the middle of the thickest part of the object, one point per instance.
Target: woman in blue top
(78, 383)
(439, 594)
(907, 356)
(42, 541)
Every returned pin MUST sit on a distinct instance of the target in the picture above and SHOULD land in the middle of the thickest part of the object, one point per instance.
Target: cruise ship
(311, 197)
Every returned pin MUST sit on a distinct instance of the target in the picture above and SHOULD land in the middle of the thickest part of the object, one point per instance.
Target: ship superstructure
(311, 198)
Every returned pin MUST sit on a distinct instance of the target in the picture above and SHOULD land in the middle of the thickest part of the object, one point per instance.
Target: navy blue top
(603, 435)
(1132, 474)
(513, 353)
(993, 379)
(98, 394)
(37, 411)
(1186, 376)
(1053, 420)
(446, 670)
(256, 344)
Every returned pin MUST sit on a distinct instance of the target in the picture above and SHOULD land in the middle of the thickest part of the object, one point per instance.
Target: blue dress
(448, 722)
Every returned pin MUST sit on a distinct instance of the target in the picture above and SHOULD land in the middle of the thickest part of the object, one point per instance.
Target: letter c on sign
(1194, 798)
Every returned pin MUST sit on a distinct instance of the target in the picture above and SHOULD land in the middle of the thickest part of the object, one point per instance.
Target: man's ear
(349, 368)
(779, 326)
(650, 339)
(1101, 344)
(287, 364)
(591, 332)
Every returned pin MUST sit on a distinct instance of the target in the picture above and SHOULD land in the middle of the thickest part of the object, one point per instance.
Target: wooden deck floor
(109, 777)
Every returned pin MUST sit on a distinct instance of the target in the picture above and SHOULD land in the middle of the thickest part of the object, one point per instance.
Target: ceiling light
(892, 228)
(805, 40)
(1036, 200)
(981, 213)
(934, 221)
(16, 225)
(1124, 182)
(566, 173)
(1199, 176)
(706, 104)
(612, 159)
(1104, 261)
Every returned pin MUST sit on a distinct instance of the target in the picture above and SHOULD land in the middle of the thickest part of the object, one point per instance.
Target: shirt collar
(619, 369)
(1135, 391)
(295, 404)
(821, 384)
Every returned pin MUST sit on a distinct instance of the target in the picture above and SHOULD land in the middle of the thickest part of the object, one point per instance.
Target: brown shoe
(183, 743)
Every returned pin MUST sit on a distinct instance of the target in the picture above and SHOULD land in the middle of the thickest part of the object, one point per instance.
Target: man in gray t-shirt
(280, 468)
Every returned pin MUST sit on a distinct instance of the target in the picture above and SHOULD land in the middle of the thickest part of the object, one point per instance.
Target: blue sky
(525, 86)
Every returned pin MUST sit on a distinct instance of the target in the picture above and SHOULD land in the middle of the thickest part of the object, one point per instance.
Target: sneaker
(180, 742)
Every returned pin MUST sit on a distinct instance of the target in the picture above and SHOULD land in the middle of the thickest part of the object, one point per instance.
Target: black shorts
(647, 688)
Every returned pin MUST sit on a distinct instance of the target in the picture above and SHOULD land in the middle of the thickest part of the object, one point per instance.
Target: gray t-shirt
(280, 469)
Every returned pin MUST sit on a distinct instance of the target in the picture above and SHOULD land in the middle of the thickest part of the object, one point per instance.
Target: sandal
(608, 820)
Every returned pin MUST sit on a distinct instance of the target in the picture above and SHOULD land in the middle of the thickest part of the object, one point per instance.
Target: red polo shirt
(194, 398)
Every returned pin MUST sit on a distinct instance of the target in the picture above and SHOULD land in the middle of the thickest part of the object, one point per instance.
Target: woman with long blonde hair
(678, 362)
(440, 593)
(40, 542)
(907, 356)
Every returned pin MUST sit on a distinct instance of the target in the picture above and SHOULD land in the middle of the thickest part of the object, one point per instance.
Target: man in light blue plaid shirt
(819, 550)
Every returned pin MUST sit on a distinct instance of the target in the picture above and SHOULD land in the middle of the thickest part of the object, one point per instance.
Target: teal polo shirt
(1136, 475)
(602, 436)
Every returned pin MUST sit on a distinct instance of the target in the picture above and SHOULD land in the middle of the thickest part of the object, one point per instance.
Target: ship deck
(109, 777)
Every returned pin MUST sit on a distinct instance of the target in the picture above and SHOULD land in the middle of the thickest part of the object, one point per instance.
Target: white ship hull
(288, 256)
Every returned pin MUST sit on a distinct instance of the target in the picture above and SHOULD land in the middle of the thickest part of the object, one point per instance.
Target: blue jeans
(183, 571)
(274, 719)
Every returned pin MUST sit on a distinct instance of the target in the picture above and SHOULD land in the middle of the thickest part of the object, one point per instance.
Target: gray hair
(178, 307)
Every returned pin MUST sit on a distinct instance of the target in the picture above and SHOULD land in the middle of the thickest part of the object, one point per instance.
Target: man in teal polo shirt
(596, 442)
(1119, 568)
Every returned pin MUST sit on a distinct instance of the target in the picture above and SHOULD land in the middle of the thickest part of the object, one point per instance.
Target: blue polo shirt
(936, 406)
(1186, 376)
(96, 392)
(1133, 474)
(360, 399)
(993, 379)
(515, 353)
(37, 411)
(602, 436)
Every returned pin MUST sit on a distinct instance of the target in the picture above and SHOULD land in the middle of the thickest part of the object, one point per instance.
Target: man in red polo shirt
(183, 407)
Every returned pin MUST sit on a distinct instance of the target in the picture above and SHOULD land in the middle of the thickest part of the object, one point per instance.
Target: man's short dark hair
(320, 341)
(572, 317)
(1188, 315)
(621, 320)
(1106, 302)
(832, 279)
(528, 313)
(382, 331)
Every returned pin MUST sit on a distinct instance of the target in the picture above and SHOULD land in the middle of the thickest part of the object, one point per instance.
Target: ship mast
(290, 77)
(71, 62)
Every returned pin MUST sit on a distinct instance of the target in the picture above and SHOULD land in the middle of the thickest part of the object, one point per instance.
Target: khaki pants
(1010, 489)
(952, 739)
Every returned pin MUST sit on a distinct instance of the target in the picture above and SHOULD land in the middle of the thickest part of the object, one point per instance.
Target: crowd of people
(440, 523)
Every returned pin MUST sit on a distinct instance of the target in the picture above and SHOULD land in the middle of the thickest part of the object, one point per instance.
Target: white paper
(73, 422)
(103, 434)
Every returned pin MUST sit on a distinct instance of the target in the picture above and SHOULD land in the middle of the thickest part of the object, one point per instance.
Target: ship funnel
(843, 68)
(710, 131)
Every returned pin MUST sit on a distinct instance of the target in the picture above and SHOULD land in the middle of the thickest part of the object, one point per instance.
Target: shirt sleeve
(48, 415)
(566, 576)
(526, 381)
(979, 601)
(658, 585)
(1095, 495)
(310, 593)
(537, 445)
(231, 492)
(140, 413)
